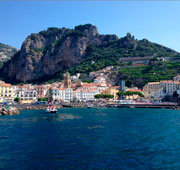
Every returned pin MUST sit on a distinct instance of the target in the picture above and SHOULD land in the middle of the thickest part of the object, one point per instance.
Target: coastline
(84, 105)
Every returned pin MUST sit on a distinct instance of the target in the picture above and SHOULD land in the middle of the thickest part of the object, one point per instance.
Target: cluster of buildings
(158, 90)
(71, 89)
(77, 91)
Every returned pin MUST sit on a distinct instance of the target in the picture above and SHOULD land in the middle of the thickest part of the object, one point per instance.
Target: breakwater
(85, 105)
(163, 106)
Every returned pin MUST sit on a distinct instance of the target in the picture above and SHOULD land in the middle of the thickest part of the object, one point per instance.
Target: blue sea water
(95, 138)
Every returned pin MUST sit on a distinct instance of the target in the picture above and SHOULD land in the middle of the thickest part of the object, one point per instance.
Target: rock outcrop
(6, 52)
(9, 111)
(51, 51)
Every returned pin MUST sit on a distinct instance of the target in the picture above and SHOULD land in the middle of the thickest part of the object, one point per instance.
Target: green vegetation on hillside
(154, 72)
(129, 93)
(99, 57)
(104, 96)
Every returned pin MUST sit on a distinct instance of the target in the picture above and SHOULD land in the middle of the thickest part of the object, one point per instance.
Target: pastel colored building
(41, 91)
(27, 95)
(113, 91)
(7, 92)
(153, 90)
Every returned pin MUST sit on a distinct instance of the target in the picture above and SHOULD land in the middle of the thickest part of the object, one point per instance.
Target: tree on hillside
(104, 96)
(129, 93)
(120, 94)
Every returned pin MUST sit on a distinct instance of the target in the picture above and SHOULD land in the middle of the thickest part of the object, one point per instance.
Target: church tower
(67, 80)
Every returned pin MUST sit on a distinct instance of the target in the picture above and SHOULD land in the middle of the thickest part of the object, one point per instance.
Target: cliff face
(53, 50)
(6, 52)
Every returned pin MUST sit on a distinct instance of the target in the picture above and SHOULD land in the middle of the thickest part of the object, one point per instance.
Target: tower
(122, 86)
(67, 80)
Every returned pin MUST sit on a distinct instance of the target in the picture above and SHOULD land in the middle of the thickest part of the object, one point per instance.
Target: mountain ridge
(81, 49)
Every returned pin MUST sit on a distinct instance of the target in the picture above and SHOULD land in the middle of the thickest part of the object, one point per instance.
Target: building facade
(7, 92)
(153, 90)
(27, 95)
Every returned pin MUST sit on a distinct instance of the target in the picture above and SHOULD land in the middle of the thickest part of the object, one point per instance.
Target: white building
(85, 95)
(66, 94)
(61, 94)
(27, 95)
(169, 87)
(99, 80)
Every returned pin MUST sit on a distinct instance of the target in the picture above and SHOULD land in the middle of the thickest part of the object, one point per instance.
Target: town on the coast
(73, 90)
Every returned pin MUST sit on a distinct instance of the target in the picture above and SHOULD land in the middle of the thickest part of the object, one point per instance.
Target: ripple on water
(65, 116)
(95, 127)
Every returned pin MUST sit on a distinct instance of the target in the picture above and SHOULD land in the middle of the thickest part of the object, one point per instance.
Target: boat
(90, 105)
(51, 109)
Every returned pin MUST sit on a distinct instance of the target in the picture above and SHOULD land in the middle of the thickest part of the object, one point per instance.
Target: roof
(115, 87)
(5, 85)
(169, 81)
(153, 82)
(134, 90)
(61, 88)
(89, 84)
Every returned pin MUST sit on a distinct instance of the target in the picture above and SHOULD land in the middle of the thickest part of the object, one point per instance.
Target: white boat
(51, 109)
(90, 106)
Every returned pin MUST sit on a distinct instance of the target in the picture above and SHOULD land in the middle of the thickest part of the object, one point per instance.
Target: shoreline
(84, 105)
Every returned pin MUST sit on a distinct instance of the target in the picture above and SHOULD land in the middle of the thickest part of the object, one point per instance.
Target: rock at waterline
(9, 111)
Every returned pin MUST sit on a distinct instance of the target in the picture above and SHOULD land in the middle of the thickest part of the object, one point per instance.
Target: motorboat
(51, 109)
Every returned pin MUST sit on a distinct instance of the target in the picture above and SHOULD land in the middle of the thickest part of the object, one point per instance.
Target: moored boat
(51, 109)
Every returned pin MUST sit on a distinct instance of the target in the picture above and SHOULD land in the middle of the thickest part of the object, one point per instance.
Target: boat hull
(53, 111)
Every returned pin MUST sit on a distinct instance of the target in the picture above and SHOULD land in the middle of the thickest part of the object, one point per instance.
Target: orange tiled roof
(89, 84)
(167, 81)
(116, 87)
(5, 85)
(61, 89)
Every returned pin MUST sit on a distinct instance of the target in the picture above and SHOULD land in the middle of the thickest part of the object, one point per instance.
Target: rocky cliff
(53, 50)
(6, 52)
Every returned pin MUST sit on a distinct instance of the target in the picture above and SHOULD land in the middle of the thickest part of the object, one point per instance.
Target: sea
(91, 138)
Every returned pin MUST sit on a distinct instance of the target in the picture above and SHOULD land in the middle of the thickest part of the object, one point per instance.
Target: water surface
(95, 138)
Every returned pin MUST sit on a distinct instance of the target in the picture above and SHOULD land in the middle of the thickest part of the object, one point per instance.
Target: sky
(157, 21)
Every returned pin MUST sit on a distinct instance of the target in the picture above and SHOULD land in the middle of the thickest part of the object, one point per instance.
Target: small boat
(90, 106)
(51, 109)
